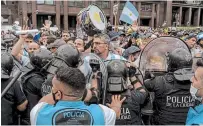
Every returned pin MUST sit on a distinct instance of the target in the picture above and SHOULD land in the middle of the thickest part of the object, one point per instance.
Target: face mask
(54, 98)
(193, 92)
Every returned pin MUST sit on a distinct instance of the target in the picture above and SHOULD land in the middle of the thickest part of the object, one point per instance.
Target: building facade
(63, 13)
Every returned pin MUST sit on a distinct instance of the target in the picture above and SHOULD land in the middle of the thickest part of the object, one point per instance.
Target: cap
(113, 35)
(57, 43)
(131, 50)
(121, 33)
(134, 35)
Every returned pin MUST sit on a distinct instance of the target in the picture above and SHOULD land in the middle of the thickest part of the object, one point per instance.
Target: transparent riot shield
(153, 60)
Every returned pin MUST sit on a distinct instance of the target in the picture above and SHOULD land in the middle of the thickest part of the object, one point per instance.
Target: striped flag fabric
(129, 13)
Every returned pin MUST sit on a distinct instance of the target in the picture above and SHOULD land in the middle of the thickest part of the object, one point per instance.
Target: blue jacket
(195, 115)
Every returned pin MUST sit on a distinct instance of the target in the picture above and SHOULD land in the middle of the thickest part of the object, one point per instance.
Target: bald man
(33, 47)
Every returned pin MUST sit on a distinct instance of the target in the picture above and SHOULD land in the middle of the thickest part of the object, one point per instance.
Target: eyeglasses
(65, 36)
(98, 43)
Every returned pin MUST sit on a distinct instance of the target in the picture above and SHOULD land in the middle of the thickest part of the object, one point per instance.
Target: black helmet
(179, 59)
(6, 63)
(117, 76)
(69, 54)
(40, 58)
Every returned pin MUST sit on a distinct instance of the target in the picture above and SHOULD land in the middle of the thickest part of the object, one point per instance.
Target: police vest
(130, 111)
(172, 105)
(7, 106)
(47, 85)
(70, 113)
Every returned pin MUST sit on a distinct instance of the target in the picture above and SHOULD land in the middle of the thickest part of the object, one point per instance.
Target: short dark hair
(72, 77)
(199, 63)
(50, 39)
(29, 36)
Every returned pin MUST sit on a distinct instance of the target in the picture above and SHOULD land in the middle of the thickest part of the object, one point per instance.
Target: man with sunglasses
(63, 106)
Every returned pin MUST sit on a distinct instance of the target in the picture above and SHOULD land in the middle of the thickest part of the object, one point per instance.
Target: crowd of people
(60, 84)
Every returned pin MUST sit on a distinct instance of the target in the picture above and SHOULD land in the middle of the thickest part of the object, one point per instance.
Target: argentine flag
(129, 13)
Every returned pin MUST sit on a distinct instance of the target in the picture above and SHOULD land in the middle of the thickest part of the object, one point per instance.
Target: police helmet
(40, 58)
(6, 62)
(179, 59)
(117, 68)
(69, 54)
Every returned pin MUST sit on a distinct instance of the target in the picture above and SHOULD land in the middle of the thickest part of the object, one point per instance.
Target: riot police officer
(14, 97)
(33, 79)
(66, 56)
(172, 90)
(135, 93)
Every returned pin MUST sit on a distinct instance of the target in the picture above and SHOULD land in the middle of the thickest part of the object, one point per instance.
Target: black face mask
(54, 98)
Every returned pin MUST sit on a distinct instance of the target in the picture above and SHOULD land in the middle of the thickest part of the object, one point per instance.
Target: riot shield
(153, 60)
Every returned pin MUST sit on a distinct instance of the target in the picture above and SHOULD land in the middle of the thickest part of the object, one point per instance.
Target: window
(49, 2)
(146, 7)
(76, 3)
(105, 4)
(121, 5)
(101, 4)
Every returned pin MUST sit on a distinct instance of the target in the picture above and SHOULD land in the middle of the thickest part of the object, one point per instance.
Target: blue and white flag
(129, 13)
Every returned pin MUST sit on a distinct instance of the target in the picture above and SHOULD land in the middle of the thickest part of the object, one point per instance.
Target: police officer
(33, 79)
(64, 106)
(66, 56)
(135, 93)
(172, 90)
(14, 98)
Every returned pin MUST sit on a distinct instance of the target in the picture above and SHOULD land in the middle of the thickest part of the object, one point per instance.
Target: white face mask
(193, 92)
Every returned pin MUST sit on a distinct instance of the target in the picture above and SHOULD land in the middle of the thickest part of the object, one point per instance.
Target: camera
(94, 63)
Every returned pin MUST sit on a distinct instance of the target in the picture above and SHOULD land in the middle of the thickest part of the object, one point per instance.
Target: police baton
(11, 83)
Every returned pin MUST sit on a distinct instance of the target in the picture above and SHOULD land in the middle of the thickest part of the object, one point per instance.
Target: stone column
(111, 12)
(157, 15)
(34, 14)
(197, 17)
(86, 3)
(24, 10)
(153, 13)
(65, 17)
(180, 15)
(168, 13)
(58, 14)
